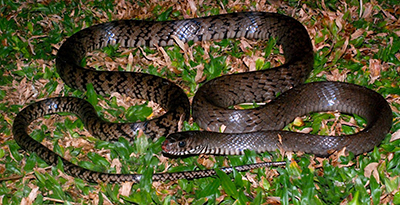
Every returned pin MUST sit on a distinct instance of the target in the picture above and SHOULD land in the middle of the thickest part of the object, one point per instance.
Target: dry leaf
(31, 197)
(375, 69)
(125, 188)
(205, 161)
(372, 169)
(250, 63)
(117, 165)
(395, 136)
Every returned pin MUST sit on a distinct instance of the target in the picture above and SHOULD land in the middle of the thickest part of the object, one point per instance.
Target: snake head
(184, 143)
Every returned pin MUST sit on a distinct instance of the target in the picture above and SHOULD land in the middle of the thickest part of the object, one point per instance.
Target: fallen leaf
(372, 169)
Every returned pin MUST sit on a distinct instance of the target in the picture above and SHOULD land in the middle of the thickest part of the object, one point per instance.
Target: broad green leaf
(227, 184)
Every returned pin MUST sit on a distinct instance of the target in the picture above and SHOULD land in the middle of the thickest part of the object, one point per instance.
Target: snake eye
(182, 144)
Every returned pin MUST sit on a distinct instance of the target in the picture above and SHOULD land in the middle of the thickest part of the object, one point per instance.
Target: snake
(258, 129)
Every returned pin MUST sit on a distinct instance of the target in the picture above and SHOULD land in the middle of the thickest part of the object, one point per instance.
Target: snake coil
(245, 129)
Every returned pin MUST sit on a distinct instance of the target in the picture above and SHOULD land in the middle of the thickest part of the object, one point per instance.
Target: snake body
(310, 97)
(211, 100)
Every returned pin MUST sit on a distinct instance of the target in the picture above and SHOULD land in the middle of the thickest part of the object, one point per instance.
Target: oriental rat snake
(245, 129)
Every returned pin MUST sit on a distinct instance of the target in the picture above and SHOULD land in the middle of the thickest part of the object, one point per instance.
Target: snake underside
(256, 129)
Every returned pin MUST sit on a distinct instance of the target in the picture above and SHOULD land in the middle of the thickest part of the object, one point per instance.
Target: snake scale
(245, 129)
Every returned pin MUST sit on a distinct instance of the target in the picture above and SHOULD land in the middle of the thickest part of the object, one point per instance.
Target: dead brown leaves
(23, 91)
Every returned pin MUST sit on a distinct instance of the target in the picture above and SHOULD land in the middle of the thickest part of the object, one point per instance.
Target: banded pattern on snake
(211, 100)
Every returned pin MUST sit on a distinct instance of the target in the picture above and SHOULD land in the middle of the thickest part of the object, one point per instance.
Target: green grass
(31, 33)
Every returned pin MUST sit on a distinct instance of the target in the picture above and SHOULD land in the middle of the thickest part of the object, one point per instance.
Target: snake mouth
(165, 146)
(168, 147)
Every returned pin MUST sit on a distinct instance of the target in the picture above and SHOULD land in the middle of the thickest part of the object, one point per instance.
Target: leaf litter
(335, 34)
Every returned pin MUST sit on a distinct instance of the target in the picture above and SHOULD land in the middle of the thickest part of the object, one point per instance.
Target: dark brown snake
(212, 99)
